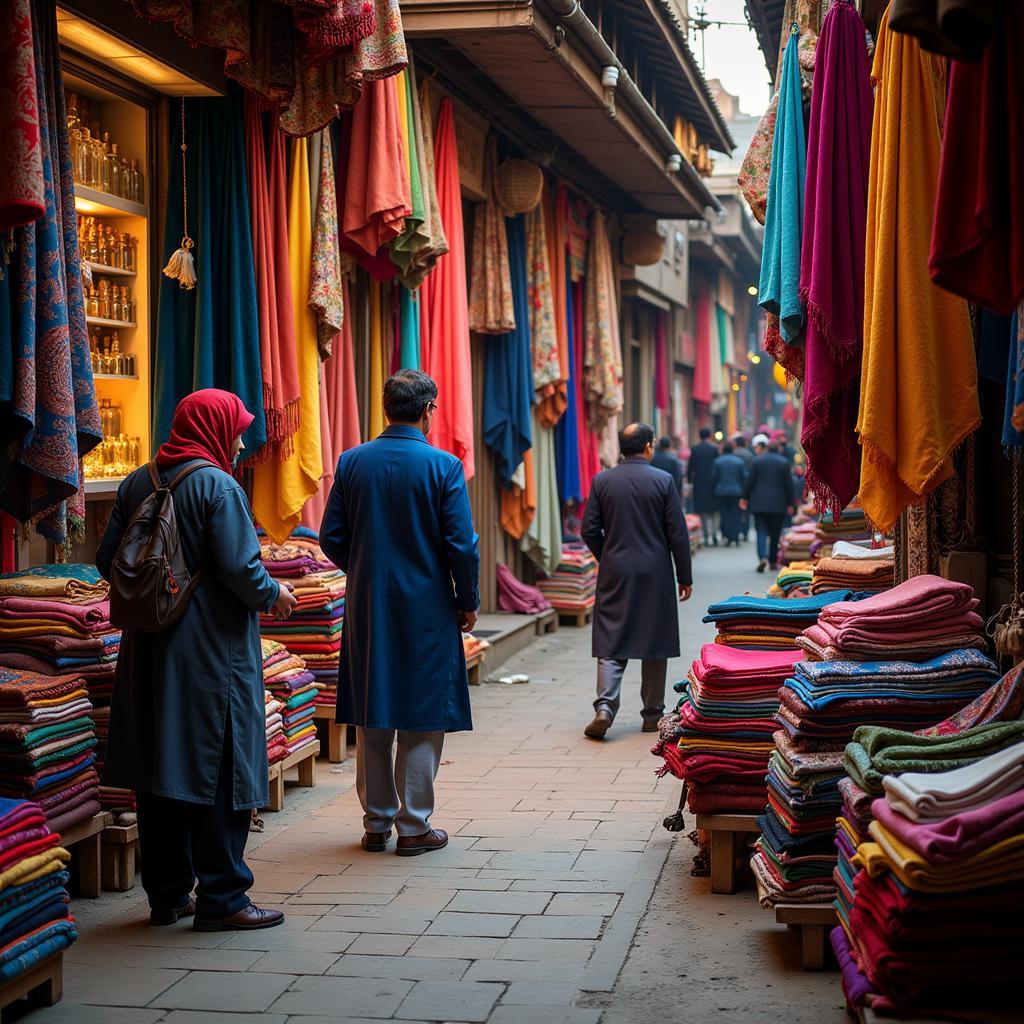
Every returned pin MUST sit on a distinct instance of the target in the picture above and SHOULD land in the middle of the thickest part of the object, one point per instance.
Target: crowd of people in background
(735, 484)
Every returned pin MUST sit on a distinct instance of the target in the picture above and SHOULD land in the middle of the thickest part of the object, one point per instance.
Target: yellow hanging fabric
(280, 489)
(376, 396)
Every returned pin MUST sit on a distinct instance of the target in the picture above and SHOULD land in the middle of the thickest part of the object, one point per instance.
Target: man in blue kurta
(398, 523)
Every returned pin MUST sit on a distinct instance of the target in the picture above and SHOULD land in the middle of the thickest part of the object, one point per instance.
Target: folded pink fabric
(719, 661)
(920, 599)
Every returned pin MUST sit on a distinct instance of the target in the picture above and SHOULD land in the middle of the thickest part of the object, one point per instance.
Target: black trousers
(769, 529)
(729, 511)
(182, 842)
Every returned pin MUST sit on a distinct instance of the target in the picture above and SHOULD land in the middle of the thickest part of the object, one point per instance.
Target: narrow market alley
(560, 898)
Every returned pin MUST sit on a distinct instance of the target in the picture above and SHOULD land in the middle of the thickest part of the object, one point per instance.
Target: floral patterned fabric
(325, 295)
(602, 346)
(547, 367)
(491, 309)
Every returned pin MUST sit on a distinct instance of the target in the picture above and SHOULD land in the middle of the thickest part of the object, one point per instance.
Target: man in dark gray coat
(698, 473)
(770, 495)
(668, 462)
(634, 525)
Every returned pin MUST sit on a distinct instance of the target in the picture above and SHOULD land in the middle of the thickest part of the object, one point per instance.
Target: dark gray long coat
(698, 473)
(175, 691)
(635, 527)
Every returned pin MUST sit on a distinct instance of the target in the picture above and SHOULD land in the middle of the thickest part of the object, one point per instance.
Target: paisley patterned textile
(491, 308)
(602, 351)
(46, 385)
(547, 367)
(21, 156)
(325, 294)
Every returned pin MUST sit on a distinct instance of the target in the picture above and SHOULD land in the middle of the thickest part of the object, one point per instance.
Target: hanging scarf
(414, 238)
(779, 291)
(555, 397)
(519, 502)
(1013, 419)
(919, 389)
(445, 291)
(378, 356)
(22, 197)
(567, 435)
(281, 488)
(542, 543)
(588, 441)
(492, 308)
(325, 273)
(832, 261)
(206, 425)
(45, 377)
(543, 336)
(210, 337)
(409, 315)
(977, 248)
(602, 353)
(702, 342)
(661, 399)
(274, 298)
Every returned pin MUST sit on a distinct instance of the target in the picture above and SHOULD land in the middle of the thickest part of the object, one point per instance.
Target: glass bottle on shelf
(116, 357)
(96, 157)
(127, 306)
(94, 246)
(83, 167)
(138, 184)
(93, 301)
(115, 303)
(104, 298)
(105, 167)
(114, 170)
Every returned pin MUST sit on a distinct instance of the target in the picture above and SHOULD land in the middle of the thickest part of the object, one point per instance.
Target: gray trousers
(652, 686)
(397, 792)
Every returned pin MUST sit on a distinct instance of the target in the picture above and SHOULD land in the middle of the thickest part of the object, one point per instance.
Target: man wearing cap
(770, 496)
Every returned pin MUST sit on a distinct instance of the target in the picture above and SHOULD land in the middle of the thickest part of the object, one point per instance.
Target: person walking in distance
(635, 527)
(742, 450)
(398, 523)
(698, 473)
(769, 495)
(187, 719)
(729, 475)
(668, 462)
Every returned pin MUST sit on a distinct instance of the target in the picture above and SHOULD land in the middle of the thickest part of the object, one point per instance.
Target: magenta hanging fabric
(702, 359)
(832, 257)
(661, 399)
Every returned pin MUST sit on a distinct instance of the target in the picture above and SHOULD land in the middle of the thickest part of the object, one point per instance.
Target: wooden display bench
(813, 921)
(83, 840)
(337, 733)
(42, 985)
(305, 761)
(578, 618)
(547, 622)
(475, 667)
(120, 852)
(724, 831)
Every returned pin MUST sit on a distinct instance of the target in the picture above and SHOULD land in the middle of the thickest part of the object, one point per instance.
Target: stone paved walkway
(528, 916)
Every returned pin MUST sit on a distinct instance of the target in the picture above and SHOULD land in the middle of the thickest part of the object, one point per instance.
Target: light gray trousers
(652, 686)
(397, 791)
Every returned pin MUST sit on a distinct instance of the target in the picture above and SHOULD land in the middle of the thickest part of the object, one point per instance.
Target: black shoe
(650, 727)
(162, 918)
(599, 726)
(376, 842)
(247, 919)
(762, 565)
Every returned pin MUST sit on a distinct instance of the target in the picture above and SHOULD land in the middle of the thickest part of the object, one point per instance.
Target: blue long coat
(398, 522)
(177, 693)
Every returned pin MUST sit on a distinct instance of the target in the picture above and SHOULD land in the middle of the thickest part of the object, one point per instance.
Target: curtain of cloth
(1013, 417)
(414, 236)
(508, 370)
(282, 487)
(661, 398)
(602, 351)
(268, 190)
(519, 502)
(379, 360)
(554, 399)
(209, 337)
(409, 316)
(702, 359)
(492, 305)
(448, 302)
(832, 260)
(588, 440)
(567, 438)
(919, 387)
(49, 413)
(542, 543)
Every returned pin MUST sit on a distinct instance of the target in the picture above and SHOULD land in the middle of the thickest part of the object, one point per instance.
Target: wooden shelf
(103, 487)
(102, 321)
(102, 268)
(92, 200)
(115, 376)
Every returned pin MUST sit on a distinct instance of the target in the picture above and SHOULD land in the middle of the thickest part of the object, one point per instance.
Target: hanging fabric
(22, 188)
(543, 335)
(960, 29)
(919, 393)
(542, 543)
(555, 397)
(587, 441)
(409, 313)
(281, 488)
(519, 501)
(702, 359)
(602, 359)
(325, 273)
(492, 308)
(448, 357)
(977, 248)
(378, 361)
(508, 371)
(414, 237)
(210, 337)
(832, 260)
(1013, 418)
(268, 204)
(661, 398)
(567, 435)
(51, 419)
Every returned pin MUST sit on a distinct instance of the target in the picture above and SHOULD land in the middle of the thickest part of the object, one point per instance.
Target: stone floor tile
(289, 961)
(544, 926)
(422, 901)
(527, 863)
(188, 959)
(539, 993)
(543, 1015)
(277, 940)
(487, 925)
(400, 924)
(451, 1000)
(382, 945)
(68, 1012)
(525, 970)
(117, 985)
(475, 902)
(530, 845)
(603, 903)
(456, 947)
(361, 882)
(573, 950)
(224, 991)
(477, 883)
(410, 967)
(204, 1017)
(355, 997)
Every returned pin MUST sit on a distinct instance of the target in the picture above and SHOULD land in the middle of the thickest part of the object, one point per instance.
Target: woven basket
(518, 185)
(642, 248)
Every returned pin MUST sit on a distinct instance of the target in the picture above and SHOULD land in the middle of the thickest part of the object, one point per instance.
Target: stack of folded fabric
(277, 745)
(768, 623)
(47, 745)
(35, 919)
(797, 541)
(933, 927)
(851, 526)
(473, 645)
(286, 677)
(300, 555)
(858, 573)
(918, 619)
(723, 726)
(794, 580)
(572, 586)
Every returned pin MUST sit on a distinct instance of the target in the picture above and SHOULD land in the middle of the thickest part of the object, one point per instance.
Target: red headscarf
(206, 424)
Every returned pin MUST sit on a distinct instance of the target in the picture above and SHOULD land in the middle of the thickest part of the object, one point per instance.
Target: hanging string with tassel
(181, 266)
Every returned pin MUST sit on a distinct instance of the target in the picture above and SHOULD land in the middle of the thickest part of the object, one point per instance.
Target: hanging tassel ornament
(181, 266)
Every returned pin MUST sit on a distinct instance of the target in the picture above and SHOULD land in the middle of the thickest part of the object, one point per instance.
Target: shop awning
(534, 68)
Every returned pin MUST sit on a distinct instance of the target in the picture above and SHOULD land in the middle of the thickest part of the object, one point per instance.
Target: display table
(304, 761)
(83, 842)
(42, 984)
(337, 733)
(119, 851)
(724, 830)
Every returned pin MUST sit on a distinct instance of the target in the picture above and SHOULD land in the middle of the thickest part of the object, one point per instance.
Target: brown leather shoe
(599, 726)
(413, 846)
(650, 727)
(247, 919)
(376, 842)
(161, 918)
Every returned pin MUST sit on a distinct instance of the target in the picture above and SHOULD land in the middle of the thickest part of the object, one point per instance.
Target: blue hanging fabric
(409, 323)
(1013, 419)
(567, 437)
(508, 369)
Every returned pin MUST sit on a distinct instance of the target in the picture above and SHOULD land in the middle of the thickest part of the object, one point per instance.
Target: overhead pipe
(572, 15)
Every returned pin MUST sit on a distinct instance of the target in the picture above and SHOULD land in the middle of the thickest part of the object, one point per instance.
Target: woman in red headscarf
(187, 720)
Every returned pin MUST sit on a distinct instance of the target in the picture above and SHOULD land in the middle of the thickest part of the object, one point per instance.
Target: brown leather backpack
(150, 584)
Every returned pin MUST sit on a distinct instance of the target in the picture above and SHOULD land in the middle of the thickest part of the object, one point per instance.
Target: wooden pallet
(578, 618)
(724, 831)
(120, 852)
(547, 622)
(475, 667)
(337, 733)
(42, 985)
(305, 761)
(83, 840)
(813, 921)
